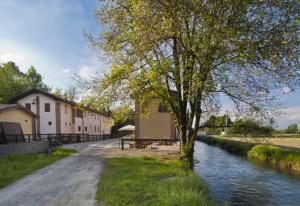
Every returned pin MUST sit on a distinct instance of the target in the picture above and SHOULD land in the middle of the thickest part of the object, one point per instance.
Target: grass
(149, 181)
(236, 147)
(276, 156)
(14, 167)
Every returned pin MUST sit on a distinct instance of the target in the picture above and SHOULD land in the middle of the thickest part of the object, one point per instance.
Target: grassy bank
(149, 181)
(14, 167)
(236, 147)
(276, 156)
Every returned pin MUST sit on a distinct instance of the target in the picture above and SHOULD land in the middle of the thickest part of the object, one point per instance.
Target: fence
(53, 139)
(143, 143)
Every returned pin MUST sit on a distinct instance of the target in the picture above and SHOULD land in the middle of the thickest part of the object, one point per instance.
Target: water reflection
(239, 182)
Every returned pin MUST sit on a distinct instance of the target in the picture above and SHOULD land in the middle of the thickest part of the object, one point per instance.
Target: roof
(4, 107)
(34, 91)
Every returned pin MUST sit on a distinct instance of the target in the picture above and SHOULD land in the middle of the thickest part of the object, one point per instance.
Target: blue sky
(49, 35)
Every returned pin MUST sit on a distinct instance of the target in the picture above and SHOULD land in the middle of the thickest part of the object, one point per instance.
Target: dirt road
(68, 182)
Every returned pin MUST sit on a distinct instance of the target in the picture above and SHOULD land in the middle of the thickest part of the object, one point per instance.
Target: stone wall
(24, 148)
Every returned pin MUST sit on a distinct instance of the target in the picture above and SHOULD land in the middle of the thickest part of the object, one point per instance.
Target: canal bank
(277, 157)
(237, 181)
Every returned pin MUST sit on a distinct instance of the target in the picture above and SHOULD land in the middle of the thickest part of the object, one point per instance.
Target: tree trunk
(187, 154)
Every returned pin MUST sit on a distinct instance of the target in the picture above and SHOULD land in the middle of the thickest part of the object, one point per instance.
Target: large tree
(13, 82)
(188, 52)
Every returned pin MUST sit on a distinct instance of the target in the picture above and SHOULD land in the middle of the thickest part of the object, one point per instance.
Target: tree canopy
(292, 129)
(14, 82)
(190, 52)
(249, 127)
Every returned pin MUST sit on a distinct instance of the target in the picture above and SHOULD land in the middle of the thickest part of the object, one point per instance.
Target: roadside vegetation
(14, 167)
(276, 156)
(150, 181)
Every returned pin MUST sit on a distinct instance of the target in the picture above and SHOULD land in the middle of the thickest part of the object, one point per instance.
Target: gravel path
(68, 182)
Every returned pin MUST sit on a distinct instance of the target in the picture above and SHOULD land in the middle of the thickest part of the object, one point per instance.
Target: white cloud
(84, 72)
(66, 71)
(5, 57)
(286, 90)
(292, 113)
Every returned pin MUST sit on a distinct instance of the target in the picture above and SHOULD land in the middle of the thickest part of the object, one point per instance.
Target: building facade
(154, 123)
(56, 115)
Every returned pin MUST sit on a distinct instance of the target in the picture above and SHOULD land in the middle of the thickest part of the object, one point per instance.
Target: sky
(48, 34)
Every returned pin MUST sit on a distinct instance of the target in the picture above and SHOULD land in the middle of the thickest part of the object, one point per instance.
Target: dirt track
(68, 182)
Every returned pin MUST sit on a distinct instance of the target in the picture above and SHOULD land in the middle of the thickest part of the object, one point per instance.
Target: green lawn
(14, 167)
(149, 181)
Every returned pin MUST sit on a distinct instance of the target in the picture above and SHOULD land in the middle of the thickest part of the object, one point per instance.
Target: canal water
(237, 181)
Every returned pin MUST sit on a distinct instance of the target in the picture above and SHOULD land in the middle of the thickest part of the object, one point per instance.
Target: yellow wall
(155, 125)
(17, 115)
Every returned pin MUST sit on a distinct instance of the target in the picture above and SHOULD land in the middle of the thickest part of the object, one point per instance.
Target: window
(162, 108)
(28, 106)
(95, 128)
(98, 129)
(66, 108)
(49, 123)
(79, 128)
(47, 107)
(79, 113)
(69, 124)
(66, 124)
(85, 128)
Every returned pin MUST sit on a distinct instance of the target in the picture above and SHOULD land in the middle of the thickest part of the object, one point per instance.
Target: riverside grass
(145, 181)
(13, 167)
(236, 147)
(276, 156)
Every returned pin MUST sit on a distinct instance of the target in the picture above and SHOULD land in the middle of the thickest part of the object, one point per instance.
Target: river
(237, 181)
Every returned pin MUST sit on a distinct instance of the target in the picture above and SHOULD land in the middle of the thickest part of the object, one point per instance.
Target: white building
(56, 115)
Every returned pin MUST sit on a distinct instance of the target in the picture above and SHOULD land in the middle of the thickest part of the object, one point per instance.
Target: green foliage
(123, 115)
(235, 147)
(276, 156)
(248, 127)
(71, 93)
(292, 129)
(150, 181)
(217, 124)
(14, 82)
(14, 167)
(35, 80)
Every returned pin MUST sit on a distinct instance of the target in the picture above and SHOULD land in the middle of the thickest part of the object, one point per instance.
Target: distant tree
(35, 80)
(250, 127)
(217, 124)
(292, 129)
(71, 93)
(123, 115)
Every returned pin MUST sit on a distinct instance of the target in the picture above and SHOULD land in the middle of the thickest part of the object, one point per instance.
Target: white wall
(106, 124)
(45, 117)
(66, 118)
(91, 121)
